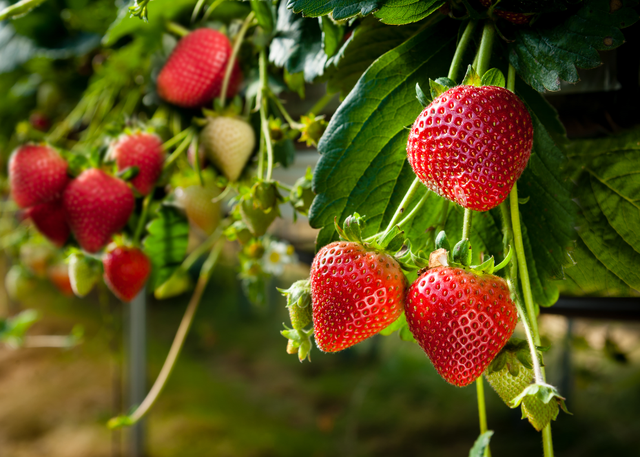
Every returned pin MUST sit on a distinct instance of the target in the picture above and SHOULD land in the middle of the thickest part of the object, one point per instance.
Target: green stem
(415, 185)
(482, 410)
(511, 78)
(197, 10)
(179, 150)
(456, 63)
(143, 218)
(484, 53)
(466, 225)
(175, 140)
(415, 210)
(234, 55)
(320, 104)
(443, 217)
(547, 441)
(176, 346)
(283, 186)
(195, 146)
(287, 117)
(177, 29)
(263, 113)
(213, 6)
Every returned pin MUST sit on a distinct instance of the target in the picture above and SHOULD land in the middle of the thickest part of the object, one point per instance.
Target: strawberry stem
(320, 104)
(456, 63)
(177, 29)
(287, 117)
(404, 204)
(415, 210)
(466, 225)
(482, 411)
(484, 53)
(178, 342)
(264, 82)
(234, 53)
(179, 150)
(143, 219)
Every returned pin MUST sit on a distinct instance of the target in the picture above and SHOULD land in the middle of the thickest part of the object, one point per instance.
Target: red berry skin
(515, 18)
(97, 206)
(37, 174)
(355, 293)
(194, 72)
(49, 218)
(126, 271)
(461, 320)
(471, 144)
(142, 150)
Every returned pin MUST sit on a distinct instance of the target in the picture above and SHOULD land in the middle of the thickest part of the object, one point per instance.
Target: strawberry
(198, 204)
(355, 292)
(19, 283)
(194, 71)
(37, 256)
(39, 121)
(228, 142)
(516, 18)
(83, 273)
(59, 276)
(126, 270)
(471, 144)
(97, 206)
(255, 219)
(461, 320)
(37, 174)
(142, 150)
(509, 377)
(49, 219)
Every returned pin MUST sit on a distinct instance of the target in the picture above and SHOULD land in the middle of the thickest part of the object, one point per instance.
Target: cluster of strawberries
(470, 145)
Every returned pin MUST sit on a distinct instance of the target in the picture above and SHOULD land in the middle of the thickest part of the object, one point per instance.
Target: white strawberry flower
(277, 255)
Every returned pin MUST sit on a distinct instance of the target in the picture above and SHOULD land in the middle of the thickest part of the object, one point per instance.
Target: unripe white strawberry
(198, 203)
(228, 142)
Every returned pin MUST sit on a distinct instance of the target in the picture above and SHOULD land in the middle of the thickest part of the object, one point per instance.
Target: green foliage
(545, 54)
(13, 329)
(165, 244)
(481, 444)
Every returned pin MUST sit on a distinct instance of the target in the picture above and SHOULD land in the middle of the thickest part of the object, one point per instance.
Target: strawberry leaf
(545, 54)
(166, 244)
(363, 166)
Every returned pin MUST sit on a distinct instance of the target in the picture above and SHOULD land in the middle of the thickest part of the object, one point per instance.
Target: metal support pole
(137, 367)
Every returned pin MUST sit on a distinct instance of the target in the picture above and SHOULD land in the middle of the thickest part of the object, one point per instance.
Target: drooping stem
(177, 29)
(264, 123)
(456, 63)
(287, 117)
(466, 225)
(415, 185)
(176, 346)
(484, 53)
(143, 218)
(482, 410)
(234, 54)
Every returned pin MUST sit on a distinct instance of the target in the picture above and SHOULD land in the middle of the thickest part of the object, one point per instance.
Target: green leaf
(545, 54)
(481, 444)
(369, 40)
(363, 166)
(399, 12)
(18, 9)
(342, 9)
(298, 45)
(399, 325)
(493, 77)
(13, 329)
(332, 35)
(165, 244)
(265, 14)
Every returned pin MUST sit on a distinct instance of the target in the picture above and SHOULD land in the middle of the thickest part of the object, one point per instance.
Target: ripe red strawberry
(516, 18)
(126, 270)
(461, 320)
(228, 142)
(39, 121)
(97, 206)
(471, 144)
(355, 293)
(194, 72)
(142, 150)
(37, 174)
(49, 218)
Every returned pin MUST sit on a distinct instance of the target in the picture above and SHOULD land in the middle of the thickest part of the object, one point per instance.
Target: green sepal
(498, 363)
(522, 201)
(442, 242)
(462, 252)
(447, 82)
(493, 77)
(440, 86)
(472, 78)
(481, 444)
(128, 173)
(351, 230)
(238, 231)
(505, 261)
(410, 260)
(486, 267)
(422, 97)
(265, 196)
(391, 240)
(543, 392)
(298, 294)
(300, 340)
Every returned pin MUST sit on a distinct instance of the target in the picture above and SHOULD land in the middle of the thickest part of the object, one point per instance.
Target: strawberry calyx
(312, 129)
(299, 304)
(543, 392)
(299, 340)
(389, 242)
(513, 355)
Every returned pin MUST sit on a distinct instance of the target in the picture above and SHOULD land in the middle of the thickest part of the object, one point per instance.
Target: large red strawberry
(471, 144)
(97, 206)
(37, 174)
(126, 270)
(194, 72)
(50, 220)
(516, 18)
(142, 150)
(461, 320)
(355, 292)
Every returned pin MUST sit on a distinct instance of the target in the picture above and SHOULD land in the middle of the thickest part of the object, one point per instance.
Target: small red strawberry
(97, 206)
(516, 18)
(142, 150)
(126, 270)
(471, 144)
(49, 218)
(228, 142)
(356, 292)
(39, 121)
(461, 320)
(194, 72)
(37, 174)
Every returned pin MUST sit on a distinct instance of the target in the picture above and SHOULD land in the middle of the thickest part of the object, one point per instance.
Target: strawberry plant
(165, 148)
